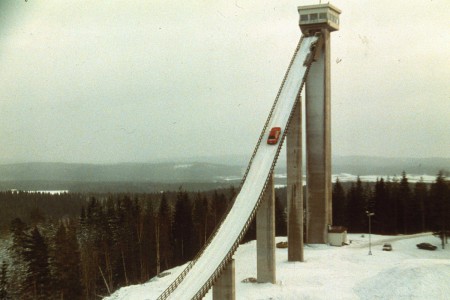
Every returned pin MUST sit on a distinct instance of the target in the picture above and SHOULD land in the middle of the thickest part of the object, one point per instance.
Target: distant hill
(190, 173)
(123, 177)
(357, 165)
(153, 172)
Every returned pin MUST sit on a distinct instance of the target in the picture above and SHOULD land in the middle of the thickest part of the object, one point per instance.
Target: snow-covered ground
(329, 272)
(345, 177)
(412, 178)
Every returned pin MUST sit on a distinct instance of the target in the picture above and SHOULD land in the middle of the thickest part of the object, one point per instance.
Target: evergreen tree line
(115, 242)
(399, 207)
(32, 208)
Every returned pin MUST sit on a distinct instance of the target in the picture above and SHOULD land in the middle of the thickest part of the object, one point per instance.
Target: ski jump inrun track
(200, 274)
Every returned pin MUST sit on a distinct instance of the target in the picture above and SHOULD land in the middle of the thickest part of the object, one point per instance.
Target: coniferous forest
(85, 246)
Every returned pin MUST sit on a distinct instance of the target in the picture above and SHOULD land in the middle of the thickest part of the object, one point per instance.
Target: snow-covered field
(52, 192)
(336, 272)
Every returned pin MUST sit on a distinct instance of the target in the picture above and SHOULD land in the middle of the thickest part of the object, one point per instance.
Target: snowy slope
(336, 272)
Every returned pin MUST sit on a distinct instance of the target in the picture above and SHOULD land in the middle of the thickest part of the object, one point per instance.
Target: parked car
(274, 135)
(387, 247)
(426, 246)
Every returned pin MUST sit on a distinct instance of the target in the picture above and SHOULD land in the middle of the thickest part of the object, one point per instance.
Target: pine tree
(16, 275)
(91, 238)
(415, 211)
(17, 229)
(280, 218)
(66, 263)
(233, 194)
(200, 218)
(183, 228)
(404, 201)
(394, 225)
(38, 278)
(440, 197)
(163, 236)
(219, 206)
(357, 207)
(421, 200)
(210, 220)
(4, 282)
(36, 216)
(339, 205)
(148, 254)
(127, 263)
(381, 205)
(139, 225)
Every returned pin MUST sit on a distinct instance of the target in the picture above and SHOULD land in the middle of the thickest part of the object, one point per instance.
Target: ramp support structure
(318, 20)
(224, 288)
(318, 145)
(295, 185)
(265, 235)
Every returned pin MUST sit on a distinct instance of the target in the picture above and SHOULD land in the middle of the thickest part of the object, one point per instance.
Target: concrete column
(318, 145)
(295, 185)
(224, 288)
(265, 235)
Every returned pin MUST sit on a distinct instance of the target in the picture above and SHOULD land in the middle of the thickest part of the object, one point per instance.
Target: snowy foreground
(336, 272)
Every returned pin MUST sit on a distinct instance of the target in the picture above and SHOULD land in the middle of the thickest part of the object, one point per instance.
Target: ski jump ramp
(200, 274)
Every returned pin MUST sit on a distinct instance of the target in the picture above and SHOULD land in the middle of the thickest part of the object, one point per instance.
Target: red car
(274, 135)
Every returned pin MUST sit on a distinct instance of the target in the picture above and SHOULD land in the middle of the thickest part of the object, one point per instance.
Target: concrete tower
(318, 20)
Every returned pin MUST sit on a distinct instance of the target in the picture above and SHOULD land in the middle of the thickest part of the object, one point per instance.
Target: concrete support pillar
(318, 145)
(295, 185)
(265, 236)
(224, 288)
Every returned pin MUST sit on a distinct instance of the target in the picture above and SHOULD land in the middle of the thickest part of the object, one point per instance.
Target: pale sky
(138, 81)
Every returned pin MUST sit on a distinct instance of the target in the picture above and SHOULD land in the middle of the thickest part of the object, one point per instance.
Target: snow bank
(336, 272)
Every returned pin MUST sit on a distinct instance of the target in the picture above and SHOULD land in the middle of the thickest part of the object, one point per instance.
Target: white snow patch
(183, 166)
(52, 192)
(229, 178)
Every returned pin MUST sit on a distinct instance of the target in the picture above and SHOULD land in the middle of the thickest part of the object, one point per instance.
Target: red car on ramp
(274, 135)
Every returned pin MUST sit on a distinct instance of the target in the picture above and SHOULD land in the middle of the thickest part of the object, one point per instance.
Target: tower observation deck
(314, 18)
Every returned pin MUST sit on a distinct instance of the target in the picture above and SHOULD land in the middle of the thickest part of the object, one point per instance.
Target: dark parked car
(426, 246)
(387, 247)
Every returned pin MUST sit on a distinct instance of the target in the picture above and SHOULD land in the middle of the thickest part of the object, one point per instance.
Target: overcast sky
(137, 81)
